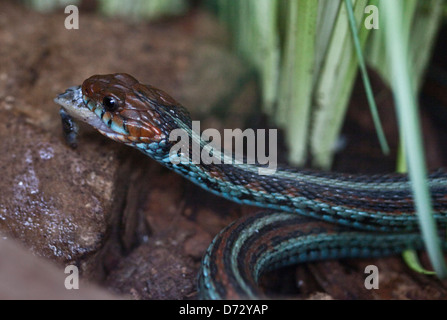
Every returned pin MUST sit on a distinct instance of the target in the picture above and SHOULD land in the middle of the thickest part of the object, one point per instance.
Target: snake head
(123, 109)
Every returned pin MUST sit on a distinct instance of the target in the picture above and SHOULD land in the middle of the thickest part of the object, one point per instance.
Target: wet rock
(59, 202)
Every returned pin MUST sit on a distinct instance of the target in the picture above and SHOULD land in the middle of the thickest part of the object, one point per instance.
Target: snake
(309, 214)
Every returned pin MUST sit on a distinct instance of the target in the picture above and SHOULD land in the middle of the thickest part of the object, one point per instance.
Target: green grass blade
(295, 86)
(397, 51)
(366, 82)
(254, 27)
(327, 16)
(427, 20)
(334, 86)
(266, 48)
(410, 256)
(142, 9)
(421, 20)
(412, 260)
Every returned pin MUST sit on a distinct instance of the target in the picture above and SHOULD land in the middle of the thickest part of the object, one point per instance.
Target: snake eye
(109, 103)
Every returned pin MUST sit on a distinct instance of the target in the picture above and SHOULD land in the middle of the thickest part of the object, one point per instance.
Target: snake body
(312, 215)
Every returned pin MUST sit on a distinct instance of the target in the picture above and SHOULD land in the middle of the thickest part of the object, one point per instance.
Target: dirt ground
(133, 228)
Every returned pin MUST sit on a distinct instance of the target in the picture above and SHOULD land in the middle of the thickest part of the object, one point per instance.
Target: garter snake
(312, 215)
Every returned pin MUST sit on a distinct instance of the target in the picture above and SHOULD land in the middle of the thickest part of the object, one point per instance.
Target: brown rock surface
(59, 202)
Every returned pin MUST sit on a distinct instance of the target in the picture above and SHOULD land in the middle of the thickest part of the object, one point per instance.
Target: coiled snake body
(356, 215)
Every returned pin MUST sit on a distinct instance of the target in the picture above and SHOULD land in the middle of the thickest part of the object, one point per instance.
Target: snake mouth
(77, 106)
